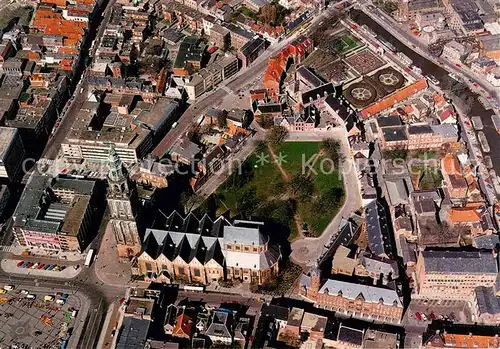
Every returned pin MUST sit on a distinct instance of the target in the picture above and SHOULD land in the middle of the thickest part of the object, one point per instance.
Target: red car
(29, 265)
(489, 97)
(418, 316)
(20, 263)
(458, 65)
(432, 316)
(474, 84)
(40, 266)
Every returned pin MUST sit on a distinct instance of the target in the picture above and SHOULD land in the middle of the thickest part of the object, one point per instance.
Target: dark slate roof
(270, 108)
(319, 92)
(134, 333)
(419, 129)
(338, 106)
(387, 121)
(350, 335)
(394, 134)
(215, 253)
(275, 311)
(377, 229)
(350, 122)
(487, 301)
(251, 46)
(475, 262)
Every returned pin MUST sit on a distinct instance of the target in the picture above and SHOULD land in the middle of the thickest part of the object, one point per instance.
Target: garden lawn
(260, 190)
(294, 153)
(265, 178)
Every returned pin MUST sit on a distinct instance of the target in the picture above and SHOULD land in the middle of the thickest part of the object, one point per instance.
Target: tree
(332, 148)
(302, 186)
(221, 119)
(397, 153)
(246, 201)
(266, 121)
(190, 199)
(268, 14)
(276, 135)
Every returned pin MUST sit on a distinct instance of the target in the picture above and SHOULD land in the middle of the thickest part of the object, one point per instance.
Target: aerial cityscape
(249, 174)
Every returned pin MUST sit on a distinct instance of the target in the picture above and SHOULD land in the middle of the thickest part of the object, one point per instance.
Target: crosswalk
(7, 248)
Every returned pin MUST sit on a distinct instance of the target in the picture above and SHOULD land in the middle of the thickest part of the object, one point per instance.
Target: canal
(428, 67)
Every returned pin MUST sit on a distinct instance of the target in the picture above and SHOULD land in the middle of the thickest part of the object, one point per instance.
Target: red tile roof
(394, 98)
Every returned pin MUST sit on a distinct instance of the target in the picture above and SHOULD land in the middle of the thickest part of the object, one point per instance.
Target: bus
(88, 260)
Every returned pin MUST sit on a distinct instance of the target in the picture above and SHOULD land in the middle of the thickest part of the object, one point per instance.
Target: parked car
(9, 287)
(20, 263)
(418, 316)
(41, 266)
(24, 292)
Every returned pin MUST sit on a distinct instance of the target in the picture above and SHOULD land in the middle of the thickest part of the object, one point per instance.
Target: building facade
(12, 153)
(55, 214)
(359, 301)
(454, 274)
(205, 250)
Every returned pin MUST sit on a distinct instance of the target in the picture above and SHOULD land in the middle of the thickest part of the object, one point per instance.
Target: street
(235, 83)
(80, 96)
(416, 45)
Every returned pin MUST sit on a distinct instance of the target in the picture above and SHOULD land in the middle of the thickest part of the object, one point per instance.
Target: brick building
(351, 299)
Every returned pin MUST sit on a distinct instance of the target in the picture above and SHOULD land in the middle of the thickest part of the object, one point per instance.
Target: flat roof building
(11, 153)
(55, 213)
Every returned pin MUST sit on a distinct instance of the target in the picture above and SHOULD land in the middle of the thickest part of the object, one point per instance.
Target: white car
(24, 292)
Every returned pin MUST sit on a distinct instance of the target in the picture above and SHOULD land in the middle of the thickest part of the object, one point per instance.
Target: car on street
(475, 84)
(24, 292)
(458, 65)
(418, 316)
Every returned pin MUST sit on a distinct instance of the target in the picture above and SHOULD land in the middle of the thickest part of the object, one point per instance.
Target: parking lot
(38, 323)
(422, 311)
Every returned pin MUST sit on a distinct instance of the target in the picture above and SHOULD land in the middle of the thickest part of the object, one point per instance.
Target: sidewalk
(243, 289)
(10, 266)
(108, 267)
(17, 250)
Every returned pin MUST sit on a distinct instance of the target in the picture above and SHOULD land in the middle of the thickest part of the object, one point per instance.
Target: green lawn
(264, 178)
(294, 153)
(258, 190)
(426, 177)
(345, 43)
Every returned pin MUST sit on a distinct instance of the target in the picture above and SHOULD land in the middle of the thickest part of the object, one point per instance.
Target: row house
(208, 250)
(295, 53)
(305, 120)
